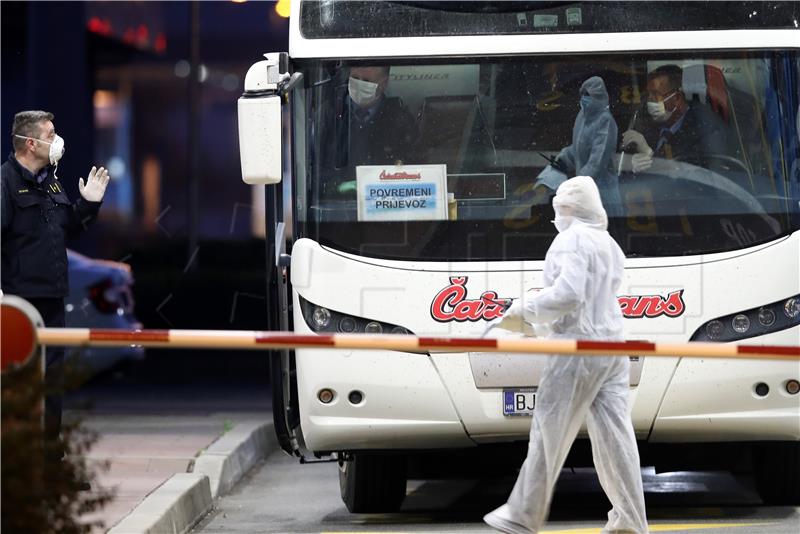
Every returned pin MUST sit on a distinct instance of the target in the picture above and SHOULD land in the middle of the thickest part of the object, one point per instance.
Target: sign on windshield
(402, 193)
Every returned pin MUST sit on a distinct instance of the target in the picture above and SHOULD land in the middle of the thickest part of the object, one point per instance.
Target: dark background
(117, 76)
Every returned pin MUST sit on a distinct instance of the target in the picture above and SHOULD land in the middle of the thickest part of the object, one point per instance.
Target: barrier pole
(256, 340)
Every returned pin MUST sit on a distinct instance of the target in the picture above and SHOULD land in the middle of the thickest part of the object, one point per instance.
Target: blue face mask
(585, 101)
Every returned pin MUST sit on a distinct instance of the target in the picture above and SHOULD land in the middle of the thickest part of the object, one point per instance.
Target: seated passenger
(594, 141)
(674, 129)
(371, 128)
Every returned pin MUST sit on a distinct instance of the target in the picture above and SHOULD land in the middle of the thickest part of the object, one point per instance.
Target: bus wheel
(372, 483)
(777, 473)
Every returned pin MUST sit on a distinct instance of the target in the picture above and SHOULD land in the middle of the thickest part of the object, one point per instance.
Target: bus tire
(777, 473)
(372, 483)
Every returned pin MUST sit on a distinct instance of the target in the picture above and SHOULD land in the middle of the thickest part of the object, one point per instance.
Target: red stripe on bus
(456, 342)
(769, 349)
(323, 341)
(132, 336)
(616, 345)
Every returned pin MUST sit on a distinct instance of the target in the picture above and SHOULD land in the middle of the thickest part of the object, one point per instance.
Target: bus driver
(371, 128)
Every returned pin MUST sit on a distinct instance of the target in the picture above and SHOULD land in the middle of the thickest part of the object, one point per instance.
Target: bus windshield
(693, 153)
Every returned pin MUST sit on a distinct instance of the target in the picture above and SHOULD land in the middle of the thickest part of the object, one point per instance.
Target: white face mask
(362, 92)
(57, 148)
(562, 222)
(658, 111)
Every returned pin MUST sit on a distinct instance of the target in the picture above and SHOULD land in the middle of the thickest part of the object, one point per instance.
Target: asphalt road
(281, 495)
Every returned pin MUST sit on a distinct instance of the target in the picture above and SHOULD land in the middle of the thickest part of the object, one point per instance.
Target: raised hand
(95, 186)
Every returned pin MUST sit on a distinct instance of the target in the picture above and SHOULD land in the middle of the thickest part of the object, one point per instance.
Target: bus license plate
(518, 402)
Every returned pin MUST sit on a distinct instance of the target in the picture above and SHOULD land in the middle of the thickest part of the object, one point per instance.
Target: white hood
(579, 199)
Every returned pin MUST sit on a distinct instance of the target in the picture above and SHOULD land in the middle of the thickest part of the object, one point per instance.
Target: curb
(233, 454)
(183, 500)
(174, 507)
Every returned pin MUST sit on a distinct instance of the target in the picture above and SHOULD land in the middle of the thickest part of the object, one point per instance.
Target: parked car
(100, 296)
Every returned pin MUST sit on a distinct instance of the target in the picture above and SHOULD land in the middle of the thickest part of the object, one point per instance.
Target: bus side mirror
(260, 133)
(260, 139)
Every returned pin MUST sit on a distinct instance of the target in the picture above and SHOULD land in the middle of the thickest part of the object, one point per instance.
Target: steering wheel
(726, 162)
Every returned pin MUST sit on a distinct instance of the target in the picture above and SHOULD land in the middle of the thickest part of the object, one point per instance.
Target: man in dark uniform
(674, 129)
(37, 217)
(371, 128)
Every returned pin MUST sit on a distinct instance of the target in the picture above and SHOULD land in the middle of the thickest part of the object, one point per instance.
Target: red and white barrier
(239, 339)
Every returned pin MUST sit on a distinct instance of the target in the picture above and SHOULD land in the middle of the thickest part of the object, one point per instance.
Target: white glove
(515, 310)
(511, 321)
(634, 137)
(504, 327)
(641, 162)
(95, 186)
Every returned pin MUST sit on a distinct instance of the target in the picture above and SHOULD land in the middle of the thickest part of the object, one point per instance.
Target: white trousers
(573, 390)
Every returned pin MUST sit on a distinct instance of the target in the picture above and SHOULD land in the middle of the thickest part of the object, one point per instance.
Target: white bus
(710, 229)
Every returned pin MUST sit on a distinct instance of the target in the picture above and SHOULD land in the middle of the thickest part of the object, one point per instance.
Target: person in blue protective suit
(583, 270)
(594, 141)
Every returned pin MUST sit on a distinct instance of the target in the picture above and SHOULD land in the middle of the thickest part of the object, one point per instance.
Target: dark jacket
(388, 134)
(701, 134)
(36, 220)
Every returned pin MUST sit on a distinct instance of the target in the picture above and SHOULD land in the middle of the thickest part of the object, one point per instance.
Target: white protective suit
(582, 272)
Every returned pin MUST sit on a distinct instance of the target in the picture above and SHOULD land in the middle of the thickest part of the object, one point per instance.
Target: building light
(283, 8)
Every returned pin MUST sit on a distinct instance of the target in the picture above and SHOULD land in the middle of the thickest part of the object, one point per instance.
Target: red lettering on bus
(451, 304)
(651, 306)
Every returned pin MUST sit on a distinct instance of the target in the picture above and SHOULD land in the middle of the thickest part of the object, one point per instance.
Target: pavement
(170, 447)
(279, 495)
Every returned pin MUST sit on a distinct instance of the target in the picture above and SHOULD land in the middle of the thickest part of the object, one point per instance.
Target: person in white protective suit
(583, 270)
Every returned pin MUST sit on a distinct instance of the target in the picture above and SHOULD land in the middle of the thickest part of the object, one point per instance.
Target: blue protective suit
(594, 141)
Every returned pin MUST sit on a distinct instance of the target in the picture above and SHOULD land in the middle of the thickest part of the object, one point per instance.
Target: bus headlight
(772, 317)
(321, 318)
(373, 328)
(347, 325)
(714, 329)
(740, 323)
(792, 307)
(766, 317)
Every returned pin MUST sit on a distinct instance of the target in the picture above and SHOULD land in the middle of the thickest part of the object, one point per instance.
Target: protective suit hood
(595, 88)
(578, 200)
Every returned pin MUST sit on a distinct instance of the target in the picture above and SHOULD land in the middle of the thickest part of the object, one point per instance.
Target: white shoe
(496, 520)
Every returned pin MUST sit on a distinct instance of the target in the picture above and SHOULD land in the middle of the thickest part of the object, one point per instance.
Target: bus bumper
(404, 403)
(716, 400)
